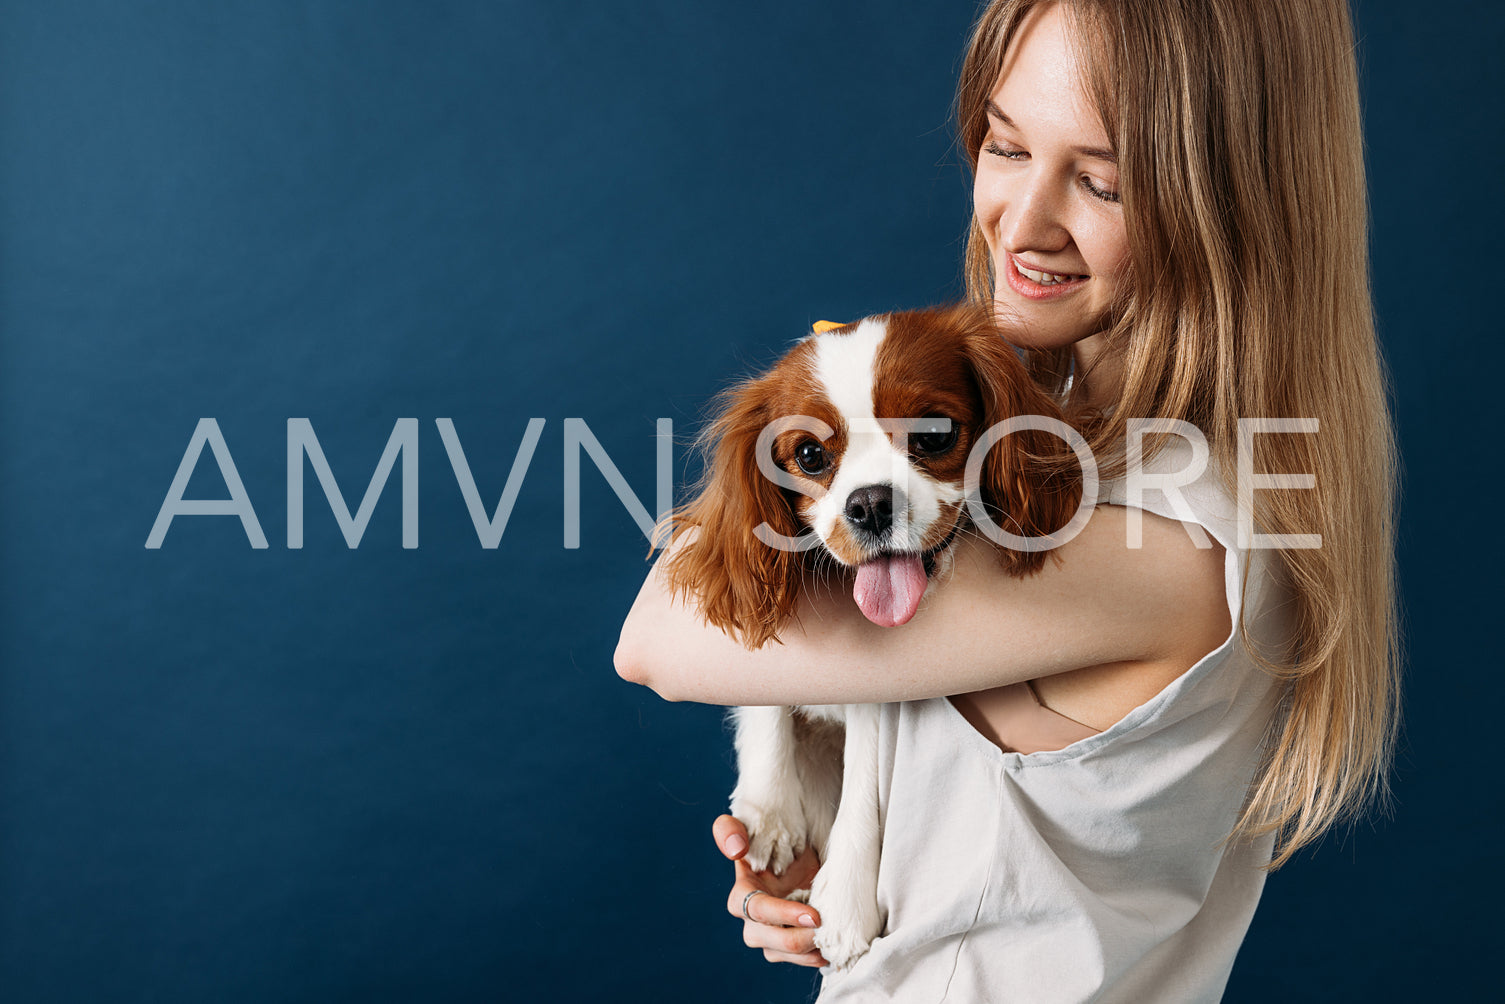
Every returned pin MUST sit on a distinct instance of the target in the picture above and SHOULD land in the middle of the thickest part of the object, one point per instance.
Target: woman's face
(1046, 195)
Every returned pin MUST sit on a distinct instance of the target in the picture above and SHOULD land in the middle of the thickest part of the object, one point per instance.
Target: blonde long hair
(1240, 152)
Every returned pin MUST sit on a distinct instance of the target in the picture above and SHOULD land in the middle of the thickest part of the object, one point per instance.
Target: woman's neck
(1099, 372)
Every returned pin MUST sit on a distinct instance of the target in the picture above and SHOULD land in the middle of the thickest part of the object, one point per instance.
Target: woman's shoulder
(1182, 481)
(1160, 565)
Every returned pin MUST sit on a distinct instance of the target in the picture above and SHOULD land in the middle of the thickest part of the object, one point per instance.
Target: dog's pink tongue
(889, 589)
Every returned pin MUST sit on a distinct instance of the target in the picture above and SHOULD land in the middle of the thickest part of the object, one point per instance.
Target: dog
(850, 457)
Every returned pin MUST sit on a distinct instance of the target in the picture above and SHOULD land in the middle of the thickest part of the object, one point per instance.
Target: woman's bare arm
(1157, 609)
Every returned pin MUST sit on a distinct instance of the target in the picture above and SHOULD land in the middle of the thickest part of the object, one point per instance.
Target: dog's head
(865, 432)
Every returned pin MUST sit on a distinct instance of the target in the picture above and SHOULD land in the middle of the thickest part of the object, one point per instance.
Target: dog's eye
(937, 438)
(810, 457)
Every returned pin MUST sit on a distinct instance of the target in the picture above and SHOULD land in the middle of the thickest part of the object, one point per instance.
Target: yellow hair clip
(826, 326)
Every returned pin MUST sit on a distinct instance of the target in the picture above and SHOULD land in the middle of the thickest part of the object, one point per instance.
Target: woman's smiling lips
(1056, 284)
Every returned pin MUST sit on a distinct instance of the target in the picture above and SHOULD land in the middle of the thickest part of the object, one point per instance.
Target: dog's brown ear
(1030, 483)
(744, 586)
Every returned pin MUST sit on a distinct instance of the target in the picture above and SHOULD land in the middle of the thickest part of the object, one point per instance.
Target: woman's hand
(783, 928)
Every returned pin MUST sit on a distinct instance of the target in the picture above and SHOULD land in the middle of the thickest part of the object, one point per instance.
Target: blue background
(388, 775)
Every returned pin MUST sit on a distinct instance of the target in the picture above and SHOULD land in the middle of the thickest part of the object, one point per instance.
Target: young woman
(1169, 216)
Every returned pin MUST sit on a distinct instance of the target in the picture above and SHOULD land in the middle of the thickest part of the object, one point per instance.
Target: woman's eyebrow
(1090, 152)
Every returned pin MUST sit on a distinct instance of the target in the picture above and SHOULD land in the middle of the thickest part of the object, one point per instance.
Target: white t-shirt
(1093, 872)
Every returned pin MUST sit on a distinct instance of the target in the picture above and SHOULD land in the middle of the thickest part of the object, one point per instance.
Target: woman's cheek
(987, 201)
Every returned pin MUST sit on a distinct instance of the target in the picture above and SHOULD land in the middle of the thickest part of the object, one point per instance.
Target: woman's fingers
(782, 928)
(799, 875)
(781, 944)
(812, 959)
(784, 940)
(731, 836)
(762, 906)
(731, 839)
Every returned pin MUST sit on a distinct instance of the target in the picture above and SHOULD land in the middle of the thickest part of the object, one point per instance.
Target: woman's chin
(1027, 326)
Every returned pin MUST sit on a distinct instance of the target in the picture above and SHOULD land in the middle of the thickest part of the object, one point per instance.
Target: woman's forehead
(1042, 51)
(1042, 87)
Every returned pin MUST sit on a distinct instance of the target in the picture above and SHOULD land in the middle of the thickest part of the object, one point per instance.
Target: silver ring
(747, 899)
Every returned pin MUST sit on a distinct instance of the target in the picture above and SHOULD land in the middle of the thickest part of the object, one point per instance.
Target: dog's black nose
(871, 509)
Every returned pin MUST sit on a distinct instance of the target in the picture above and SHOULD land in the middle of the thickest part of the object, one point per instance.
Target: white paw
(848, 922)
(776, 836)
(841, 944)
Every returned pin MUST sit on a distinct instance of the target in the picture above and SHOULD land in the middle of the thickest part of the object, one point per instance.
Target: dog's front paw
(776, 836)
(842, 944)
(848, 922)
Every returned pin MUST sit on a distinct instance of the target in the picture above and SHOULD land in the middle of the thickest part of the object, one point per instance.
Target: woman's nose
(1032, 220)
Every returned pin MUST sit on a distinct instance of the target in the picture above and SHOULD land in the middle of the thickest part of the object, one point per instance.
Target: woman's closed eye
(992, 146)
(995, 148)
(1099, 193)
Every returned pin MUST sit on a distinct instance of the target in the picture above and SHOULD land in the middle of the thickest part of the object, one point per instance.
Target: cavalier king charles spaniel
(850, 457)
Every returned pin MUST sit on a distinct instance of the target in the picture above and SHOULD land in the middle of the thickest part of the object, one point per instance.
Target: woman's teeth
(1047, 278)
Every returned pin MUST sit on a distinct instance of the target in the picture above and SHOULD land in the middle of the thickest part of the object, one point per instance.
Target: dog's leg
(846, 887)
(820, 735)
(767, 796)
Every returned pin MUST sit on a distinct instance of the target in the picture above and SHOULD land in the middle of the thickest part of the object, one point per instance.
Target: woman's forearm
(666, 646)
(1101, 602)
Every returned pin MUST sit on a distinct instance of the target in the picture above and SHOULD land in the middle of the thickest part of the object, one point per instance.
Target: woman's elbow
(632, 665)
(628, 660)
